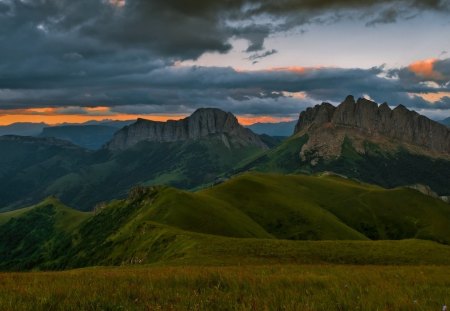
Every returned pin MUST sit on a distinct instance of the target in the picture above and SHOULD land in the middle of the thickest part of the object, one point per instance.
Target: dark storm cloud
(96, 52)
(279, 92)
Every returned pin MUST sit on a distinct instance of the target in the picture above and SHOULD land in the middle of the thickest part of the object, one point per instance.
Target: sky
(264, 60)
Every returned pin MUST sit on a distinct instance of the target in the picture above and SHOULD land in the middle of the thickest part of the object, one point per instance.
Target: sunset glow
(425, 69)
(55, 116)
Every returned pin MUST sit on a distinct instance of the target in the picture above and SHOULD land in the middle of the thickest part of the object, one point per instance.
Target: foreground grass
(279, 287)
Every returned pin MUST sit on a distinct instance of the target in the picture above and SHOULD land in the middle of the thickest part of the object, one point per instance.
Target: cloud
(279, 91)
(123, 53)
(257, 56)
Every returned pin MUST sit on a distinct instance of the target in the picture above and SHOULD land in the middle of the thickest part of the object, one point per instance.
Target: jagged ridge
(202, 123)
(365, 118)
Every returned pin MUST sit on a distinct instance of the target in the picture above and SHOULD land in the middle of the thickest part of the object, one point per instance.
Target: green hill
(253, 218)
(31, 237)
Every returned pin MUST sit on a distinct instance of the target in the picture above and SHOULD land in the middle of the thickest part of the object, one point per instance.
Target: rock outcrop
(363, 120)
(203, 123)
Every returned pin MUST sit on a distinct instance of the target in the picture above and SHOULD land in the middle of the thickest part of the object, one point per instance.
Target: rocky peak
(370, 121)
(203, 123)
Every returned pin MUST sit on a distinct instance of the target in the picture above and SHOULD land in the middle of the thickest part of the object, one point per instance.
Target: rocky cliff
(364, 120)
(205, 122)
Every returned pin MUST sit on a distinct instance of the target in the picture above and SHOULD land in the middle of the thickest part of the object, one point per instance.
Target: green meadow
(255, 242)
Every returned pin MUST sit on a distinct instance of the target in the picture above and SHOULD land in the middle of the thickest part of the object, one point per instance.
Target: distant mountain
(35, 129)
(112, 123)
(365, 141)
(190, 153)
(203, 123)
(88, 136)
(445, 121)
(22, 129)
(274, 129)
(263, 218)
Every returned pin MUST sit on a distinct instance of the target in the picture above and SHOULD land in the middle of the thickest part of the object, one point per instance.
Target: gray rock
(369, 120)
(205, 122)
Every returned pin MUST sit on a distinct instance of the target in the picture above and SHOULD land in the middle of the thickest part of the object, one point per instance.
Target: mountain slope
(246, 219)
(185, 165)
(28, 165)
(29, 236)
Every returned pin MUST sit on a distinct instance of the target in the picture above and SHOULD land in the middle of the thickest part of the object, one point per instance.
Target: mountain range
(358, 139)
(367, 183)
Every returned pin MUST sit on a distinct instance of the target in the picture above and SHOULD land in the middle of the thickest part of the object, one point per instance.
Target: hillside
(251, 218)
(29, 236)
(186, 165)
(29, 164)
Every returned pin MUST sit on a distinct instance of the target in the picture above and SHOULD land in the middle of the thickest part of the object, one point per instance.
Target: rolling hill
(251, 218)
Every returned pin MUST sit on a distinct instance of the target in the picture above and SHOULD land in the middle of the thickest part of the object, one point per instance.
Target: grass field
(278, 287)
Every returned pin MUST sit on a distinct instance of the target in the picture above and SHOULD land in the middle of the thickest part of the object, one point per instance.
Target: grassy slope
(235, 222)
(330, 207)
(387, 169)
(29, 236)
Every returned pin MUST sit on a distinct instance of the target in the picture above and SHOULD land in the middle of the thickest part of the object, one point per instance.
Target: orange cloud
(433, 97)
(54, 116)
(425, 69)
(295, 69)
(249, 120)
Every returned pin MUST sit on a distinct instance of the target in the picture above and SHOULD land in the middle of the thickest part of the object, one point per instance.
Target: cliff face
(364, 120)
(205, 122)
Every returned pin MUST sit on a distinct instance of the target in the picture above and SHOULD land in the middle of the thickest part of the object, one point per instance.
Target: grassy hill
(253, 218)
(31, 237)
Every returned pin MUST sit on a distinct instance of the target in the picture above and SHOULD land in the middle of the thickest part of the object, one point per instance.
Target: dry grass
(280, 287)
